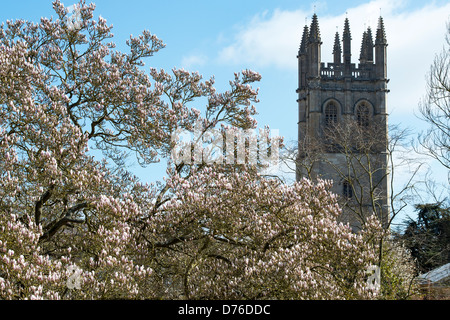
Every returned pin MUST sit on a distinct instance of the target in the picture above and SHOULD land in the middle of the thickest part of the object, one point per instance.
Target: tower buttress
(303, 69)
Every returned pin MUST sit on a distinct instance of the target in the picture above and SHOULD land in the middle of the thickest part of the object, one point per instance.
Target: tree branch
(52, 228)
(38, 206)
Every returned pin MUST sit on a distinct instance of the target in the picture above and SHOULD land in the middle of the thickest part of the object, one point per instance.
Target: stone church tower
(342, 125)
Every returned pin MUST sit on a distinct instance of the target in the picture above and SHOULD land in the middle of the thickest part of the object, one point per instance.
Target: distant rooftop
(437, 274)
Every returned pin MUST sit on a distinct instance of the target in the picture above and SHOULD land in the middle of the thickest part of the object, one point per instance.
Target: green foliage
(397, 272)
(428, 238)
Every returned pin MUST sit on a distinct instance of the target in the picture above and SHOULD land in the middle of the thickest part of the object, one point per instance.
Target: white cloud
(194, 60)
(267, 40)
(414, 36)
(414, 39)
(273, 39)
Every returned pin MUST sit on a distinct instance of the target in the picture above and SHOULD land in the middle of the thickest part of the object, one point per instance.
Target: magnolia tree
(76, 227)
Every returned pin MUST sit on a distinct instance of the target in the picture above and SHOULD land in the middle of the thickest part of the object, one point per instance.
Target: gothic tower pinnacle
(347, 46)
(380, 51)
(337, 51)
(314, 48)
(366, 54)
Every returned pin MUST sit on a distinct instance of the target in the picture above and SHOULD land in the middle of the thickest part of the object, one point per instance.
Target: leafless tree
(435, 107)
(364, 160)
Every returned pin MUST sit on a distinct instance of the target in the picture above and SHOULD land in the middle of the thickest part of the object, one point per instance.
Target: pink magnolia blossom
(204, 232)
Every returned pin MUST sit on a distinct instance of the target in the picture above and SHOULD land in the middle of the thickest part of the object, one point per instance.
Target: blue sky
(218, 38)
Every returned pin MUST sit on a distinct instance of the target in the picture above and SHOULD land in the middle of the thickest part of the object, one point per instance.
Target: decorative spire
(366, 54)
(346, 40)
(337, 44)
(381, 34)
(347, 34)
(337, 51)
(314, 34)
(304, 42)
(363, 53)
(369, 44)
(380, 51)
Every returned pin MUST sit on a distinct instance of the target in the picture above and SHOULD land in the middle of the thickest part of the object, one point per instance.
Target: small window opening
(347, 190)
(330, 115)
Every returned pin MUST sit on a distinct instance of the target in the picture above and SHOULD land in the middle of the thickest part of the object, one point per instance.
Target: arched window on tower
(363, 115)
(331, 112)
(347, 189)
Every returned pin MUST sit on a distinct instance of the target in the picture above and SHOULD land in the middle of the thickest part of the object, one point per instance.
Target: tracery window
(347, 190)
(331, 114)
(363, 115)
